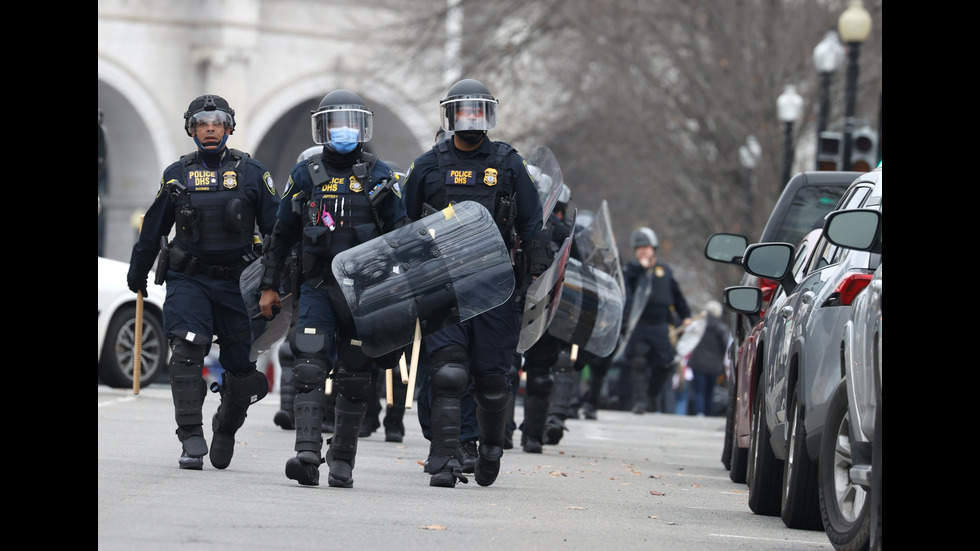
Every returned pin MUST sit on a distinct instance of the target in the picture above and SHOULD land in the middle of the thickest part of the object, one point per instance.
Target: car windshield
(807, 211)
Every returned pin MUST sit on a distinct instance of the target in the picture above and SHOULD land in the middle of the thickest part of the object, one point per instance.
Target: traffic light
(830, 150)
(864, 150)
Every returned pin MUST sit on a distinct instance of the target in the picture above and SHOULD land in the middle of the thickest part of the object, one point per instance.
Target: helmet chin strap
(221, 145)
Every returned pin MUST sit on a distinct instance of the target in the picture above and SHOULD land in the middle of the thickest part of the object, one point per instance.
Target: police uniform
(215, 199)
(482, 347)
(328, 205)
(649, 355)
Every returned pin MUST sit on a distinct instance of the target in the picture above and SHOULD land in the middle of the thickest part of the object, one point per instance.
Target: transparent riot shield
(443, 269)
(543, 168)
(590, 311)
(596, 244)
(542, 298)
(266, 333)
(640, 297)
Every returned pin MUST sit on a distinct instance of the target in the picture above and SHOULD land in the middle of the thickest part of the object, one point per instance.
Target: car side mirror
(771, 261)
(727, 248)
(744, 299)
(854, 229)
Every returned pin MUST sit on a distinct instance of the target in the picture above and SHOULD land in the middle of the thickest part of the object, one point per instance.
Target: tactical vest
(661, 298)
(213, 214)
(460, 180)
(338, 214)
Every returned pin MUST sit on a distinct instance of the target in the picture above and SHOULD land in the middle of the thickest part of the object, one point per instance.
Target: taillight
(844, 294)
(768, 288)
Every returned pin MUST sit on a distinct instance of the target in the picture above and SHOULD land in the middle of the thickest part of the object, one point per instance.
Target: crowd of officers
(217, 200)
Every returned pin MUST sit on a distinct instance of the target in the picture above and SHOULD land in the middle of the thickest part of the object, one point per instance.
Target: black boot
(640, 385)
(194, 447)
(395, 413)
(308, 410)
(343, 444)
(225, 423)
(492, 424)
(188, 389)
(535, 414)
(443, 464)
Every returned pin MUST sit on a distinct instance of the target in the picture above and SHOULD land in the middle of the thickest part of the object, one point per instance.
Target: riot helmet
(644, 237)
(468, 107)
(342, 121)
(308, 152)
(208, 109)
(564, 197)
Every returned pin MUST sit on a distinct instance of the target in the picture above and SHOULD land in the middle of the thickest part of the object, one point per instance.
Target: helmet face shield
(467, 113)
(354, 123)
(202, 119)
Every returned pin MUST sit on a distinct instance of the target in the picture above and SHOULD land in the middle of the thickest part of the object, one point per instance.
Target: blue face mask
(343, 139)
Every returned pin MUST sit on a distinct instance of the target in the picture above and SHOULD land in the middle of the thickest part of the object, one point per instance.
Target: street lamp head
(789, 104)
(828, 55)
(855, 23)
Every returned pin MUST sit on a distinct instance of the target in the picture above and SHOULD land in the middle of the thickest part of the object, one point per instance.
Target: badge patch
(354, 185)
(490, 176)
(229, 179)
(268, 183)
(659, 271)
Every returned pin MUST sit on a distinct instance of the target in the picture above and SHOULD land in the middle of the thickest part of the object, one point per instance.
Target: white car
(117, 328)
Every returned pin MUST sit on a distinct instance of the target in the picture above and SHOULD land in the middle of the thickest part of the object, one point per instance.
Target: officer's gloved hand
(136, 282)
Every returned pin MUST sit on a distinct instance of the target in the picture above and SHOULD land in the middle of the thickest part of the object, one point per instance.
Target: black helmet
(471, 102)
(644, 237)
(342, 108)
(209, 105)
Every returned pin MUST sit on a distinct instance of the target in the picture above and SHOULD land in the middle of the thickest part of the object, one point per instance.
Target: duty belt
(233, 271)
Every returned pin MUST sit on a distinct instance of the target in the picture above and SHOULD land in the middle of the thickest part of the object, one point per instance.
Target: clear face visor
(469, 114)
(348, 124)
(200, 121)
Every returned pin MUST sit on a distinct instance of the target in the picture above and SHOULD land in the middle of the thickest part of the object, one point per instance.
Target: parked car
(117, 328)
(801, 206)
(801, 365)
(846, 452)
(767, 480)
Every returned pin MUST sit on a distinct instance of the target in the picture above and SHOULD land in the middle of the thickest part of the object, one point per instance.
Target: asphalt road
(623, 482)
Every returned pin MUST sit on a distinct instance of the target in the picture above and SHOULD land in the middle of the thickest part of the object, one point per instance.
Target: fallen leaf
(557, 473)
(656, 493)
(613, 478)
(422, 463)
(654, 476)
(653, 516)
(433, 527)
(695, 485)
(575, 507)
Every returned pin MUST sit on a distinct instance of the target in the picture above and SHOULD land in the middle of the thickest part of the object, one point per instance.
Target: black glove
(135, 281)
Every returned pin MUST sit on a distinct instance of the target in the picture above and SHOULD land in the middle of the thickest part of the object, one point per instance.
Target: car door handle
(786, 311)
(806, 297)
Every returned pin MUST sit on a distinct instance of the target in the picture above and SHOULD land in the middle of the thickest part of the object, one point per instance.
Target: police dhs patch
(354, 185)
(229, 179)
(268, 183)
(490, 176)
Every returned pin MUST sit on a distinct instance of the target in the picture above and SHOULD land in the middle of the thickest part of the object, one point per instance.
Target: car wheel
(116, 363)
(875, 498)
(801, 504)
(740, 458)
(726, 450)
(765, 472)
(843, 504)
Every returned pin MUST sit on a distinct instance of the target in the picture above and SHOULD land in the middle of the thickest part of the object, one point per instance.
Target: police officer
(333, 201)
(473, 167)
(649, 355)
(550, 380)
(215, 196)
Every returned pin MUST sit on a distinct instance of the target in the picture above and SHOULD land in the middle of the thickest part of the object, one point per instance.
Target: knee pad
(453, 353)
(352, 356)
(354, 386)
(491, 391)
(449, 378)
(310, 367)
(639, 358)
(244, 389)
(539, 384)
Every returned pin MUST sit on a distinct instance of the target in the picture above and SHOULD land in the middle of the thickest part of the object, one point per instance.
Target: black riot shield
(266, 333)
(590, 311)
(443, 269)
(542, 298)
(543, 168)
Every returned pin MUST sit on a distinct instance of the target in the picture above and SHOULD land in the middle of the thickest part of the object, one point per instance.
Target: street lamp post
(827, 56)
(789, 104)
(854, 26)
